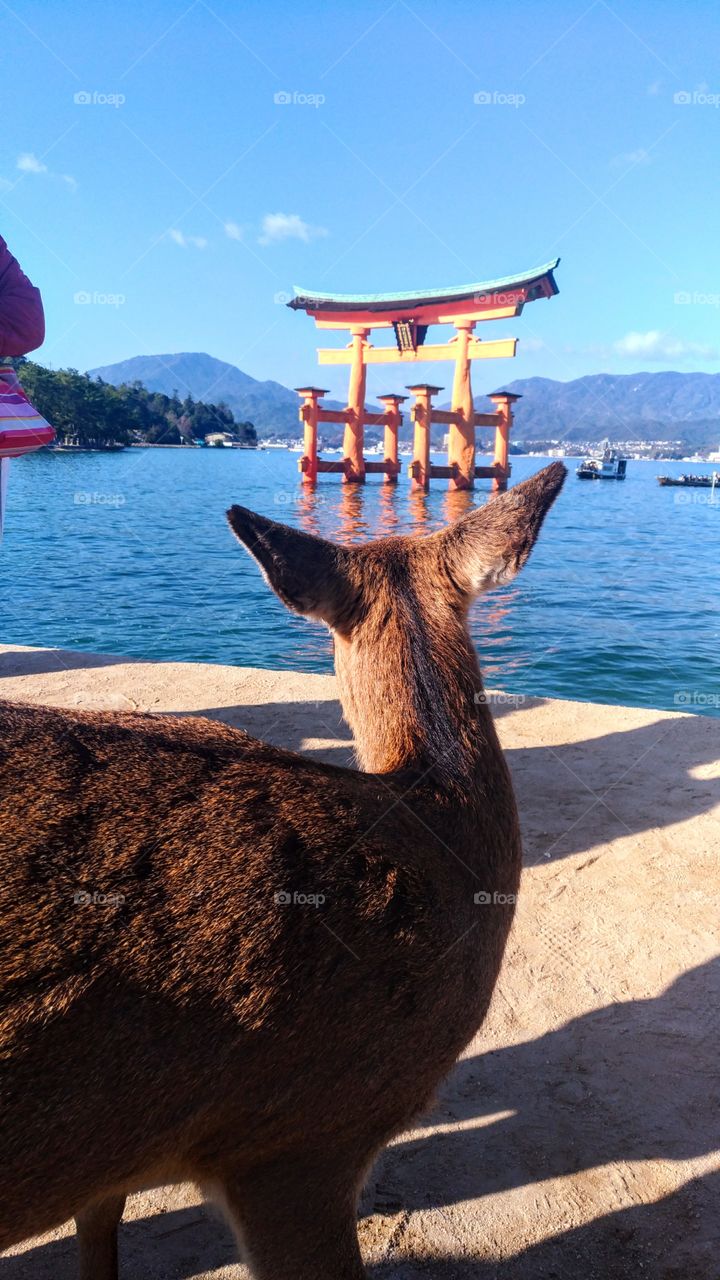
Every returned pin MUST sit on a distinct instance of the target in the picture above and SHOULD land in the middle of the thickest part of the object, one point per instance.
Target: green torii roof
(307, 300)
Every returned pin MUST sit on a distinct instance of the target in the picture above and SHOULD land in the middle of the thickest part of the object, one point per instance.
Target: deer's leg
(97, 1226)
(297, 1222)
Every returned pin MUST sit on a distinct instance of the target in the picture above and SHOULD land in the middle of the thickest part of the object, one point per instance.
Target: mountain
(270, 406)
(623, 406)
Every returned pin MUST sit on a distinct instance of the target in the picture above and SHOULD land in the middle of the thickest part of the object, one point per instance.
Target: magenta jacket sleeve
(22, 321)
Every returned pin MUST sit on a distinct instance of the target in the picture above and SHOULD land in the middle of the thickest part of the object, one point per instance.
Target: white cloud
(631, 158)
(655, 345)
(179, 237)
(29, 163)
(233, 231)
(288, 226)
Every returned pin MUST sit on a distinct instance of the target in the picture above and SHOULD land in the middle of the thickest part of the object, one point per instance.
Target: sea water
(130, 553)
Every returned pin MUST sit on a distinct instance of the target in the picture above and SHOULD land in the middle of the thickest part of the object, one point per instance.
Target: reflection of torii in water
(410, 315)
(22, 328)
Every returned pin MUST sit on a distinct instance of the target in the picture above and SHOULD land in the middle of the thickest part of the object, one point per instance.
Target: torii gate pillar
(421, 414)
(393, 419)
(461, 436)
(353, 439)
(309, 415)
(503, 401)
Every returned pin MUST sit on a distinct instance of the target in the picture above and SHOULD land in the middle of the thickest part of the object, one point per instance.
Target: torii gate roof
(526, 287)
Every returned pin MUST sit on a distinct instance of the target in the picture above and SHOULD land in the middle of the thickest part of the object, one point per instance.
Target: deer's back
(228, 933)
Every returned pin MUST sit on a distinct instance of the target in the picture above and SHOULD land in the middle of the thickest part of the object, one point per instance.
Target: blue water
(129, 553)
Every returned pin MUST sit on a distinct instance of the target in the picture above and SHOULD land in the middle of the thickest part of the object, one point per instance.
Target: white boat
(610, 466)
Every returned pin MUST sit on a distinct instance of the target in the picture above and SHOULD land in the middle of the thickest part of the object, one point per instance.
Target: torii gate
(410, 315)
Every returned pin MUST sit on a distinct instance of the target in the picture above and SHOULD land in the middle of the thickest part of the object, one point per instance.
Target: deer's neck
(420, 706)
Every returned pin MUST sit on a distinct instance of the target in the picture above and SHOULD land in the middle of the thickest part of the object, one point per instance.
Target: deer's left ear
(311, 576)
(489, 546)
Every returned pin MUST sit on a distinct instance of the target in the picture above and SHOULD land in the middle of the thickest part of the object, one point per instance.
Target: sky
(170, 170)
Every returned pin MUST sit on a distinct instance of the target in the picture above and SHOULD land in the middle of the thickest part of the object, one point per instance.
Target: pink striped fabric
(22, 428)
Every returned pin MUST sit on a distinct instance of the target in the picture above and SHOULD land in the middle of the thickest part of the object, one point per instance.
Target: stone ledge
(577, 1135)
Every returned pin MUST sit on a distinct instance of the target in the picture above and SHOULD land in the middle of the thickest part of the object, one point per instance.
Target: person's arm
(22, 320)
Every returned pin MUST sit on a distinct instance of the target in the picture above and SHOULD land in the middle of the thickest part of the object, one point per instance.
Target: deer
(228, 963)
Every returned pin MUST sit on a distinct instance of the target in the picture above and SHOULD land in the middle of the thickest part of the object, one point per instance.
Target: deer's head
(397, 609)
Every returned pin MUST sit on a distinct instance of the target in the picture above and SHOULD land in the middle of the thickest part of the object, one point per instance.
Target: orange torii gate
(410, 315)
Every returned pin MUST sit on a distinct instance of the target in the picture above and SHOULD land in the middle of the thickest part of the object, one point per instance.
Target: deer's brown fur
(194, 1024)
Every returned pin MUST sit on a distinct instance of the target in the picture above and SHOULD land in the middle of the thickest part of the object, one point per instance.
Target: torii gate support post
(309, 417)
(461, 436)
(353, 440)
(503, 401)
(393, 422)
(421, 415)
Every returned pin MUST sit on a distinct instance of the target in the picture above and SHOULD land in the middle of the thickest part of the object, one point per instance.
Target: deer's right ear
(487, 547)
(311, 576)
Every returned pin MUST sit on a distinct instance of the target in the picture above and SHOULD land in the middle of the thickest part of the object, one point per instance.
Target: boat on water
(690, 481)
(609, 466)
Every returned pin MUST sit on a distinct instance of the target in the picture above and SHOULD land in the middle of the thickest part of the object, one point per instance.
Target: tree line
(95, 413)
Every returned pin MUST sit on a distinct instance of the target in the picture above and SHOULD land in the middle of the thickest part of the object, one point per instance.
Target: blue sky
(183, 199)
